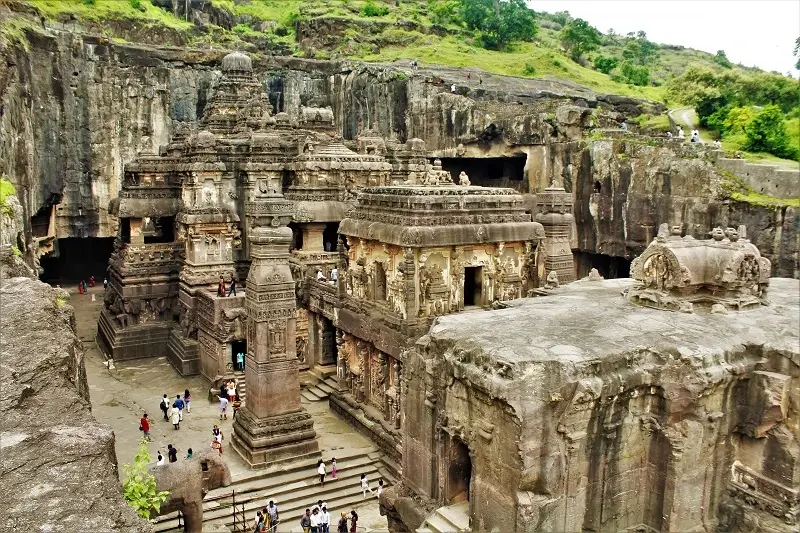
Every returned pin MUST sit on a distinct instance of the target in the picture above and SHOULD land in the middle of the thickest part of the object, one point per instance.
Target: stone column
(272, 425)
(137, 233)
(554, 212)
(312, 237)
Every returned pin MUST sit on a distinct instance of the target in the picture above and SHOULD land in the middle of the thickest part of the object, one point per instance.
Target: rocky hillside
(369, 30)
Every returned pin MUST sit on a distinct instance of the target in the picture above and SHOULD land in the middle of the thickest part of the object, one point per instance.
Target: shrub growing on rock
(139, 486)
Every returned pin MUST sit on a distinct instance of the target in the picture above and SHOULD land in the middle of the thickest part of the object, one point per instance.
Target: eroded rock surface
(58, 466)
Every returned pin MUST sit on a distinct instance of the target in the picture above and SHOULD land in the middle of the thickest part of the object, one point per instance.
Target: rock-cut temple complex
(504, 394)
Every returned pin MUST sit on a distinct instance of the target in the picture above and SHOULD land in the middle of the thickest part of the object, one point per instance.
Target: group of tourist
(172, 454)
(228, 397)
(221, 291)
(318, 520)
(174, 413)
(333, 279)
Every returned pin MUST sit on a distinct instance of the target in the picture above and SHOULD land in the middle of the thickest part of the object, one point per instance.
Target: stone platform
(132, 342)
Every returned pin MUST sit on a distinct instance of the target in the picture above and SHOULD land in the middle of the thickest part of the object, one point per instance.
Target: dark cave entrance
(610, 267)
(330, 236)
(236, 348)
(158, 230)
(75, 259)
(459, 472)
(297, 237)
(490, 171)
(473, 290)
(328, 341)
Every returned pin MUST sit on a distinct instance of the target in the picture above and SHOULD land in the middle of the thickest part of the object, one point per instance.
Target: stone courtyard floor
(120, 396)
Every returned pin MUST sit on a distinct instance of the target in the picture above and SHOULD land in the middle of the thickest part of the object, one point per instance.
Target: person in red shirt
(144, 426)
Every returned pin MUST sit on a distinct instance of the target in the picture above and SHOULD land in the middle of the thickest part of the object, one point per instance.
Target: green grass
(734, 143)
(261, 9)
(6, 190)
(740, 191)
(654, 122)
(452, 51)
(111, 9)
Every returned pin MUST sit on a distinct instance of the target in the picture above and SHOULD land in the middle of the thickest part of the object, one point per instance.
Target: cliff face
(59, 460)
(76, 108)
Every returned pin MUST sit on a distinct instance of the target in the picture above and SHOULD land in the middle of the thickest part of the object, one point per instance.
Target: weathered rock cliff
(58, 466)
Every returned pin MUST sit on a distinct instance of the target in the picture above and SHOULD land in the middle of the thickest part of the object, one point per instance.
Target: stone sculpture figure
(552, 280)
(463, 179)
(187, 482)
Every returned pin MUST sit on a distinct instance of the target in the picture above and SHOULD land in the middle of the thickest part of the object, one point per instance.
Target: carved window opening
(598, 187)
(490, 171)
(459, 472)
(297, 237)
(125, 230)
(473, 286)
(160, 230)
(204, 466)
(380, 282)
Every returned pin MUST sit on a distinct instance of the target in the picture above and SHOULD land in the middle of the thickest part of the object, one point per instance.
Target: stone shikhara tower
(272, 425)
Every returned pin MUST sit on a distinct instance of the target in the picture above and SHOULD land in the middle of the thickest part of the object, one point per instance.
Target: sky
(757, 33)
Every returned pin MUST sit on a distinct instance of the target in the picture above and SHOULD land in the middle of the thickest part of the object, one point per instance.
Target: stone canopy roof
(445, 215)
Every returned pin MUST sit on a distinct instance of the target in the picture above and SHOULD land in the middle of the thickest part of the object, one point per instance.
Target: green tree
(444, 11)
(139, 485)
(578, 38)
(721, 59)
(500, 22)
(767, 133)
(635, 74)
(738, 118)
(797, 53)
(605, 64)
(640, 51)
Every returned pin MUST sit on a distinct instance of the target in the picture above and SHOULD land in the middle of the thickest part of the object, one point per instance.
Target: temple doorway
(236, 348)
(473, 290)
(459, 472)
(74, 259)
(610, 267)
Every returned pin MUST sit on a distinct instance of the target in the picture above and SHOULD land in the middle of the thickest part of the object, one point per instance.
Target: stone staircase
(241, 387)
(321, 390)
(449, 519)
(293, 487)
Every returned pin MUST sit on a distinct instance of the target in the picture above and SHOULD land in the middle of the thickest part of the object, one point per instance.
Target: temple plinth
(272, 425)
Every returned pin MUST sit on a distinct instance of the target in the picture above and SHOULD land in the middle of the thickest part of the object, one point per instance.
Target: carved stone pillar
(312, 237)
(409, 276)
(554, 207)
(272, 425)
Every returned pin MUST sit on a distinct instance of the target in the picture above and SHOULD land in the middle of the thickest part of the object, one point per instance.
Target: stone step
(317, 393)
(327, 389)
(437, 524)
(292, 499)
(457, 515)
(309, 396)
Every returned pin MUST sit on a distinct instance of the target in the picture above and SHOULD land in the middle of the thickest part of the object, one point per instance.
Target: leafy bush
(721, 59)
(578, 38)
(88, 2)
(6, 190)
(639, 50)
(136, 4)
(635, 74)
(738, 119)
(444, 11)
(139, 485)
(529, 70)
(767, 133)
(605, 64)
(370, 9)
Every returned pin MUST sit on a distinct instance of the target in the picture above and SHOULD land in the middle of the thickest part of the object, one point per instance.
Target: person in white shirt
(365, 486)
(321, 471)
(315, 521)
(453, 88)
(324, 520)
(160, 461)
(320, 275)
(334, 275)
(380, 488)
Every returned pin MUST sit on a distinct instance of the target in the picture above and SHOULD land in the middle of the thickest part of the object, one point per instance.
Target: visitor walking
(342, 528)
(469, 75)
(237, 404)
(240, 361)
(105, 283)
(334, 275)
(315, 521)
(272, 514)
(232, 287)
(680, 133)
(305, 521)
(80, 288)
(232, 390)
(189, 453)
(223, 408)
(353, 521)
(180, 405)
(365, 486)
(325, 520)
(223, 390)
(91, 281)
(144, 427)
(453, 88)
(333, 468)
(187, 399)
(175, 417)
(173, 453)
(259, 523)
(217, 445)
(165, 407)
(321, 471)
(380, 488)
(160, 461)
(217, 433)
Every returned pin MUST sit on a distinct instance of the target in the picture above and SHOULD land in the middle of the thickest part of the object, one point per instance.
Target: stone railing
(323, 298)
(308, 262)
(140, 259)
(764, 493)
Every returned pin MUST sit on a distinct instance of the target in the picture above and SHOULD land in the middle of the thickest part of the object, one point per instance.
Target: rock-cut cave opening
(75, 258)
(609, 266)
(490, 171)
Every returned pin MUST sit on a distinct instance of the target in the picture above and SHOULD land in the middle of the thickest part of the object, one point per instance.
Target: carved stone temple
(503, 392)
